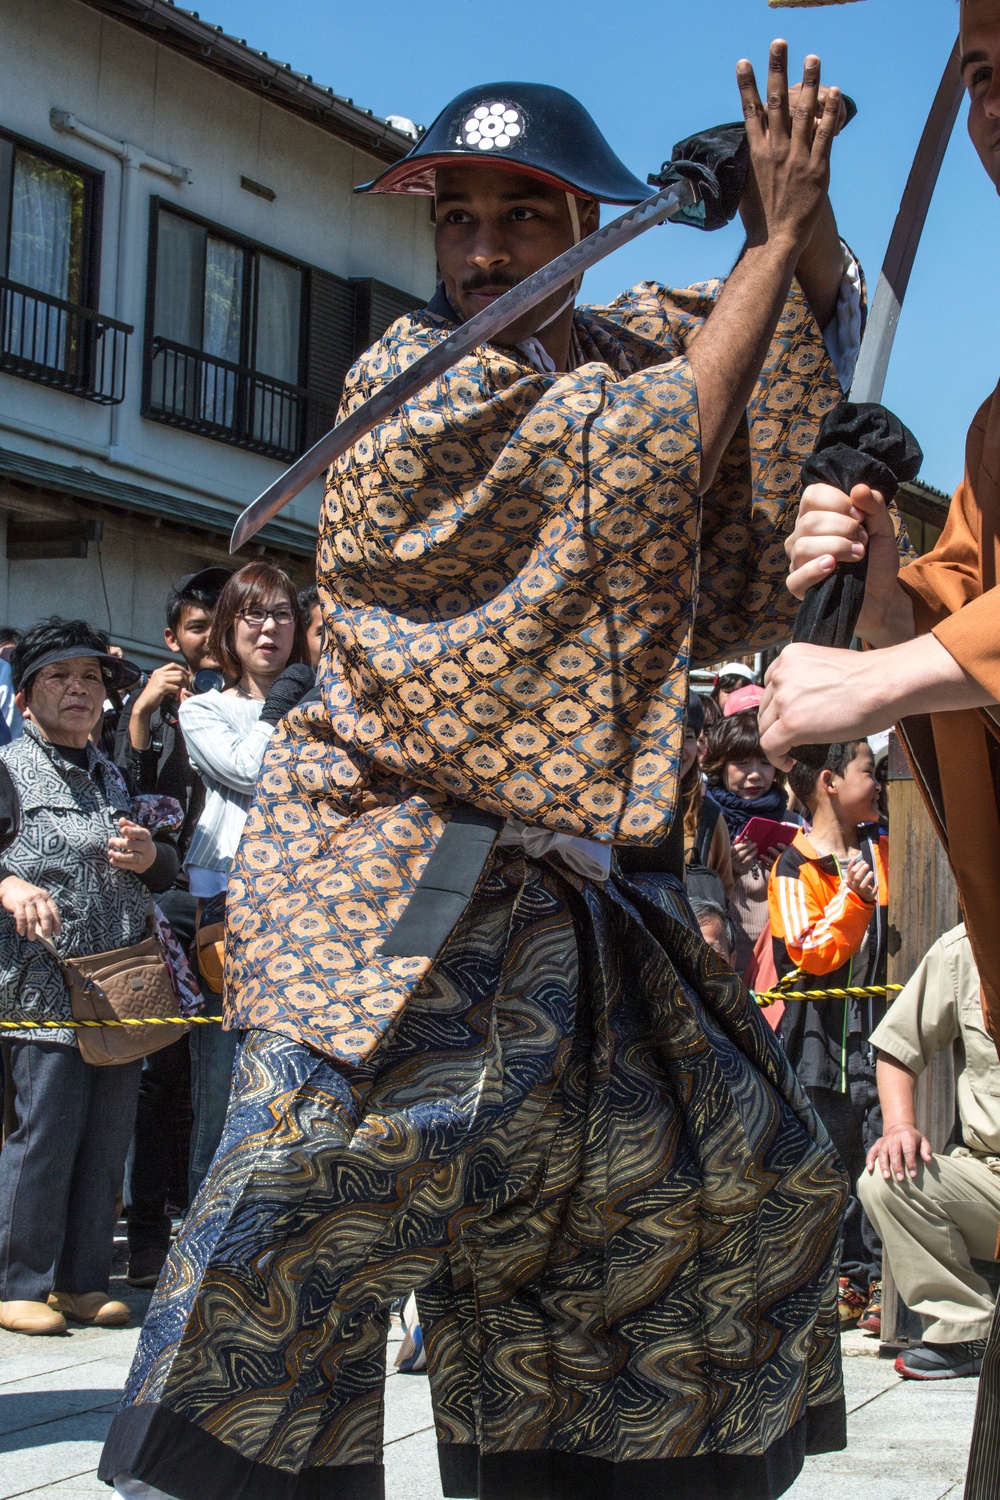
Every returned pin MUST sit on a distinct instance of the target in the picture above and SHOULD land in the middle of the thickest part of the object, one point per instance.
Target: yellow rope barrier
(763, 999)
(127, 1021)
(852, 992)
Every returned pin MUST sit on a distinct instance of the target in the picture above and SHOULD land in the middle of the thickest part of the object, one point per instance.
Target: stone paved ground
(907, 1441)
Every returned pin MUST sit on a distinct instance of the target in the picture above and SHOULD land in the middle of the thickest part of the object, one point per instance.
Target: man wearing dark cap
(150, 746)
(150, 750)
(486, 1054)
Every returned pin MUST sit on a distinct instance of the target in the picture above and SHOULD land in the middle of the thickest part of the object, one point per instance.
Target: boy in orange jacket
(827, 898)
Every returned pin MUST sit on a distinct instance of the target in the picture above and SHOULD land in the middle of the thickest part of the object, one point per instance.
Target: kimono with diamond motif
(566, 1126)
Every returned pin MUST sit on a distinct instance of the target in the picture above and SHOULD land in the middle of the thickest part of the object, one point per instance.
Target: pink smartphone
(766, 833)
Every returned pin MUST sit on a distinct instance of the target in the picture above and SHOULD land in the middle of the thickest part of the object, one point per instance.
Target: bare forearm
(817, 695)
(820, 270)
(138, 730)
(888, 620)
(727, 355)
(897, 1088)
(901, 1148)
(922, 677)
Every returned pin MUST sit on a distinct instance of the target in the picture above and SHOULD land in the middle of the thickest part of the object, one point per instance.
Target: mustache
(483, 279)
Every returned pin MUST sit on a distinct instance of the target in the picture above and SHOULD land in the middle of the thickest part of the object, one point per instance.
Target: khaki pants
(930, 1225)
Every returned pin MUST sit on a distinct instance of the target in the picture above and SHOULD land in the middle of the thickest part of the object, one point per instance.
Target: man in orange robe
(936, 669)
(936, 623)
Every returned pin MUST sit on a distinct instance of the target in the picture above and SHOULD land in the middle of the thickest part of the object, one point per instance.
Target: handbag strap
(69, 975)
(152, 930)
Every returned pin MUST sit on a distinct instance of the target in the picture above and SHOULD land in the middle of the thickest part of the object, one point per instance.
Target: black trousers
(854, 1122)
(61, 1171)
(162, 1134)
(158, 1164)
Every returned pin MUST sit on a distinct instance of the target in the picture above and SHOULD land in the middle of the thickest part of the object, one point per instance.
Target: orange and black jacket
(819, 928)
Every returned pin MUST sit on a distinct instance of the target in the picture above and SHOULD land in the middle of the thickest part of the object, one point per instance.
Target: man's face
(980, 48)
(190, 639)
(714, 932)
(494, 228)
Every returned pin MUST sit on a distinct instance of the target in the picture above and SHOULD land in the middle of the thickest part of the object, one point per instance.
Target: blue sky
(653, 71)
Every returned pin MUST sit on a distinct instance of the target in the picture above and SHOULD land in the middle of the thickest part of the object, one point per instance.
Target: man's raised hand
(789, 149)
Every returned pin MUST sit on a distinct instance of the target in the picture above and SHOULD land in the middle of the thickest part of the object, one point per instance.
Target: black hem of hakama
(467, 1474)
(154, 1444)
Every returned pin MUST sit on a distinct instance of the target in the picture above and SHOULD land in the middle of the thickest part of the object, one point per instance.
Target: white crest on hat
(492, 127)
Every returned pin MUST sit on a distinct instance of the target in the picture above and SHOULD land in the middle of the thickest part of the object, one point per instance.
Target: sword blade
(668, 203)
(883, 319)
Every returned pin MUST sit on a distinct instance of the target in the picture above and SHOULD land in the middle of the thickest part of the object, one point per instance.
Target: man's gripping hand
(833, 527)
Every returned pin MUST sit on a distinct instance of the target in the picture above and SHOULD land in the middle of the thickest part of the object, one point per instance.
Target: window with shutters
(245, 345)
(225, 336)
(378, 307)
(50, 329)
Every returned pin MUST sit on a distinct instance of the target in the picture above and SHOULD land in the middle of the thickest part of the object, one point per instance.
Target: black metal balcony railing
(216, 398)
(60, 344)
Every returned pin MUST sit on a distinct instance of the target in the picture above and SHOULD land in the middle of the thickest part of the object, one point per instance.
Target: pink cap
(742, 699)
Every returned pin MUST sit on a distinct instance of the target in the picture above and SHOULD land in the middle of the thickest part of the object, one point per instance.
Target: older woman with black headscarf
(79, 872)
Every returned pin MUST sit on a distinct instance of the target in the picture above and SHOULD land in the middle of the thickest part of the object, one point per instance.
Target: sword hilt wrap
(858, 443)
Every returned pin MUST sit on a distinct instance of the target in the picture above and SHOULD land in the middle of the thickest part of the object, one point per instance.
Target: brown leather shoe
(31, 1317)
(94, 1308)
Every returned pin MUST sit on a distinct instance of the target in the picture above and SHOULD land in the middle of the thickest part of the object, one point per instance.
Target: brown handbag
(210, 951)
(126, 984)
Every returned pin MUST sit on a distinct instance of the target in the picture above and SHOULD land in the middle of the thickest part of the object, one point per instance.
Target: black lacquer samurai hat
(528, 127)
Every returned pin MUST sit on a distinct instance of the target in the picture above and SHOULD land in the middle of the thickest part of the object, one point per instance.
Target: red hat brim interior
(417, 176)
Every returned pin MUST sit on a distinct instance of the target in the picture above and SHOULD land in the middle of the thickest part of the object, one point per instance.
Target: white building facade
(185, 278)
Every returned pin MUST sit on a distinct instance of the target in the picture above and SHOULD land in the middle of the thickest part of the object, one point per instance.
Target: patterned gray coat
(67, 817)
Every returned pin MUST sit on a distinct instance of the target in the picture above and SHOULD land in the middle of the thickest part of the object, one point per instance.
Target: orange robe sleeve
(955, 595)
(954, 587)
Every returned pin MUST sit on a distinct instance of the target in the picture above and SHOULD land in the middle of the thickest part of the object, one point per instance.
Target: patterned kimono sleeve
(743, 604)
(663, 318)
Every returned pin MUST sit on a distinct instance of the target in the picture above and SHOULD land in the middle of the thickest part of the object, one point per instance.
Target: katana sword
(675, 199)
(829, 612)
(883, 319)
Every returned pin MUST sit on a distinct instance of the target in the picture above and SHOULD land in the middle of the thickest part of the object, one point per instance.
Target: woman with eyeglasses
(258, 639)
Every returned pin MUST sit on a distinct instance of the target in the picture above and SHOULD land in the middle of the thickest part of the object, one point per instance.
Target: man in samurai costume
(485, 1054)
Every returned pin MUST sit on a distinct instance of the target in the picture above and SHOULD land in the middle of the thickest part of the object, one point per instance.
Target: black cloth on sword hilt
(858, 443)
(718, 162)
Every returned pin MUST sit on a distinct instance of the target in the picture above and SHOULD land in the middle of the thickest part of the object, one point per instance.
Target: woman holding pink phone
(752, 796)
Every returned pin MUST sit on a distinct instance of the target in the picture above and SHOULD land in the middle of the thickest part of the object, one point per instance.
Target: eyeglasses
(256, 616)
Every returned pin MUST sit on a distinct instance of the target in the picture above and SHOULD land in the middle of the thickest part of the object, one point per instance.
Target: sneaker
(871, 1319)
(851, 1304)
(412, 1358)
(941, 1361)
(144, 1266)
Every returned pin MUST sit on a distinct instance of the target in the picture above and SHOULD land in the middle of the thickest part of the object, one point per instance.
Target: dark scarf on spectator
(738, 811)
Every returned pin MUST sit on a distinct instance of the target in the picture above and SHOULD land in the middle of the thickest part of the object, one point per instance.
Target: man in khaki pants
(935, 1211)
